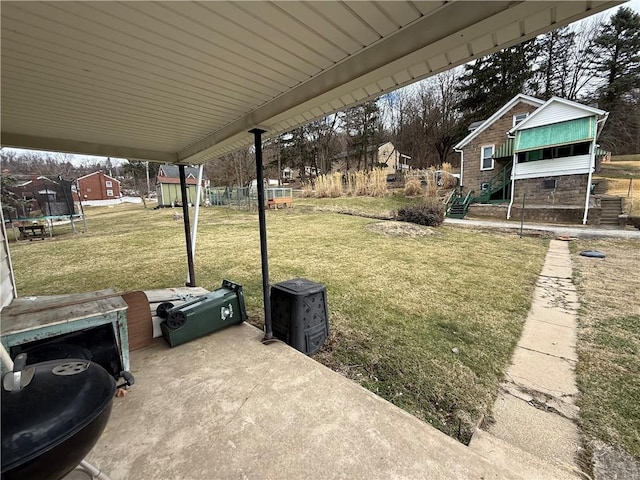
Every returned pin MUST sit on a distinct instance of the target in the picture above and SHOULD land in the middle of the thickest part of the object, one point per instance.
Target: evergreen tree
(492, 81)
(363, 124)
(616, 52)
(296, 150)
(616, 55)
(555, 64)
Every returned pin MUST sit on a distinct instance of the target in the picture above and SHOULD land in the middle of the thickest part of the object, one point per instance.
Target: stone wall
(569, 190)
(563, 214)
(495, 211)
(496, 135)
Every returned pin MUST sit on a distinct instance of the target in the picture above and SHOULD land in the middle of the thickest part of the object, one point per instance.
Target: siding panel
(556, 112)
(552, 168)
(7, 286)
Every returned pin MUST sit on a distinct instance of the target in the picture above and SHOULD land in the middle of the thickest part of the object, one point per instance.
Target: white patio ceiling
(183, 82)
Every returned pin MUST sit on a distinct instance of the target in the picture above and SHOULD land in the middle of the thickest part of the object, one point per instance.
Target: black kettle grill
(52, 415)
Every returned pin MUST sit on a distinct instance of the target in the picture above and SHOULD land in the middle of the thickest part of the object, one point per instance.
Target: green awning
(505, 150)
(562, 133)
(600, 152)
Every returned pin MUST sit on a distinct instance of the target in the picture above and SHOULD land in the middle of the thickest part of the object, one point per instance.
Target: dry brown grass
(413, 187)
(398, 303)
(329, 186)
(358, 182)
(608, 370)
(431, 189)
(401, 229)
(448, 181)
(307, 190)
(377, 184)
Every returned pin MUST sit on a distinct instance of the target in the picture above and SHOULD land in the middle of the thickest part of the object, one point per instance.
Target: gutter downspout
(461, 152)
(592, 167)
(513, 183)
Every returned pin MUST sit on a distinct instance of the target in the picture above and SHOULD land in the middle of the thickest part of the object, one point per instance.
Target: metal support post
(187, 229)
(268, 331)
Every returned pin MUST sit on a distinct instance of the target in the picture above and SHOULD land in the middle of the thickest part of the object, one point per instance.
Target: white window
(519, 118)
(109, 193)
(108, 183)
(486, 157)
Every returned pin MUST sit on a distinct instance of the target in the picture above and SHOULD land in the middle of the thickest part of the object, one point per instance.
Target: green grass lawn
(399, 304)
(608, 371)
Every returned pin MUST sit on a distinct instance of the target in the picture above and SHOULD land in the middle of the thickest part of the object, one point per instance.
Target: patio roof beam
(18, 140)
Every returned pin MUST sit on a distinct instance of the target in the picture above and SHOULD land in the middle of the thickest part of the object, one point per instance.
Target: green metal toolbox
(217, 310)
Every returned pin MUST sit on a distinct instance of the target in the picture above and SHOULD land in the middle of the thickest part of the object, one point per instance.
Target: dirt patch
(611, 463)
(401, 229)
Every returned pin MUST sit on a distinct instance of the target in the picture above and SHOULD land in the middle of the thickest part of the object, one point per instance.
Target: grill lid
(62, 397)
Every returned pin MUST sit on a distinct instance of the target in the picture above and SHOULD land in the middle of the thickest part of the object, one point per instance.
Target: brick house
(542, 152)
(98, 186)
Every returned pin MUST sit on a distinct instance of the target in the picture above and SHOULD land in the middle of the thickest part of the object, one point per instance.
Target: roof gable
(97, 173)
(493, 118)
(172, 171)
(557, 110)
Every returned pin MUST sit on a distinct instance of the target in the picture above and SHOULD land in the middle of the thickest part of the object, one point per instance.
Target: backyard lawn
(608, 370)
(426, 318)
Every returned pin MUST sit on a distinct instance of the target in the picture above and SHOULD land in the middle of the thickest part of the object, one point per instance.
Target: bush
(412, 187)
(377, 185)
(430, 214)
(307, 190)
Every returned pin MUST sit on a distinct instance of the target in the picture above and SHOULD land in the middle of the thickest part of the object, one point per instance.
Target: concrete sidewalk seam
(570, 360)
(552, 323)
(530, 391)
(542, 406)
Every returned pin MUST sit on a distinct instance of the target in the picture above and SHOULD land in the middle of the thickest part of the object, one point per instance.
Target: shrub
(448, 181)
(412, 187)
(336, 185)
(323, 186)
(329, 185)
(359, 183)
(431, 190)
(377, 186)
(430, 214)
(307, 190)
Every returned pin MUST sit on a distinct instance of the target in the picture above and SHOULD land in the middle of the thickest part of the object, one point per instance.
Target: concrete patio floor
(227, 407)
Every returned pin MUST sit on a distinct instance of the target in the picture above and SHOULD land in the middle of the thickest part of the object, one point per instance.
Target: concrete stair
(601, 187)
(611, 208)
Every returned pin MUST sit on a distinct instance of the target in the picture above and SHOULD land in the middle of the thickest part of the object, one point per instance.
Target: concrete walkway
(535, 411)
(227, 407)
(578, 231)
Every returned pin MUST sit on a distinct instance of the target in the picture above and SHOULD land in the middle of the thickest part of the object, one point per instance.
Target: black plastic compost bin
(299, 314)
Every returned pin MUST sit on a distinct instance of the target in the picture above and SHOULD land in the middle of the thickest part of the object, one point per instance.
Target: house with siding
(98, 186)
(540, 154)
(384, 156)
(168, 185)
